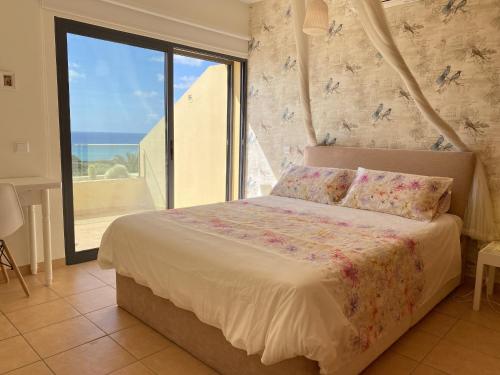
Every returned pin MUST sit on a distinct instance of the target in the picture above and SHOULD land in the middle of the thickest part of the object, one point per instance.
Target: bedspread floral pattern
(316, 184)
(374, 273)
(406, 195)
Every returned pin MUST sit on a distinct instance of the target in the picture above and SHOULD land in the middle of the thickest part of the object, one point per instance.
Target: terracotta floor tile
(174, 360)
(486, 316)
(98, 357)
(141, 340)
(134, 369)
(436, 324)
(62, 336)
(16, 299)
(427, 370)
(14, 285)
(476, 337)
(390, 363)
(112, 319)
(458, 360)
(14, 353)
(6, 328)
(454, 306)
(42, 315)
(37, 368)
(106, 276)
(69, 283)
(93, 299)
(415, 344)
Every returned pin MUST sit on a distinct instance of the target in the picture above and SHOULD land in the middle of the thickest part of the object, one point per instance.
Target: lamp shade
(11, 214)
(316, 20)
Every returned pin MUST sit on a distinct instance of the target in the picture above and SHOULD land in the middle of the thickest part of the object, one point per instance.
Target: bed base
(209, 345)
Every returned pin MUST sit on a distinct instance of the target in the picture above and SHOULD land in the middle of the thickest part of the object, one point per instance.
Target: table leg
(491, 280)
(47, 246)
(33, 249)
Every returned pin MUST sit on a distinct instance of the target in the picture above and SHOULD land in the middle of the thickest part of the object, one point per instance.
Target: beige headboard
(457, 165)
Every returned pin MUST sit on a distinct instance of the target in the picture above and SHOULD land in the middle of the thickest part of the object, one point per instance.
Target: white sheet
(262, 302)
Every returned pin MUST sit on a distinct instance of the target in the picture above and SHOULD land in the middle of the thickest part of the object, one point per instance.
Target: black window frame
(63, 27)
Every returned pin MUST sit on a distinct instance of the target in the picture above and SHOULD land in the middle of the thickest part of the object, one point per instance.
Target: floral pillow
(410, 196)
(316, 184)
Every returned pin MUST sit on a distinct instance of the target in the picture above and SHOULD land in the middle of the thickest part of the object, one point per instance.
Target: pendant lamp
(316, 19)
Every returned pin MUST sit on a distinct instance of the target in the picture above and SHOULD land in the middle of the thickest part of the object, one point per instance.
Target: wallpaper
(452, 46)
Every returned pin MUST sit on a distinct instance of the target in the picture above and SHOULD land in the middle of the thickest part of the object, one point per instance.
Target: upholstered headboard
(457, 165)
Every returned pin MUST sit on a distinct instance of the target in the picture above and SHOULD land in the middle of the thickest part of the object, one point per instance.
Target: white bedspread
(270, 299)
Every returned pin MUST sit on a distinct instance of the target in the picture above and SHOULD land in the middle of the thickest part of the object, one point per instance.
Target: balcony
(106, 187)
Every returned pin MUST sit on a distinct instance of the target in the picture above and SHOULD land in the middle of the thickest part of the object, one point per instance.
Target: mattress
(283, 277)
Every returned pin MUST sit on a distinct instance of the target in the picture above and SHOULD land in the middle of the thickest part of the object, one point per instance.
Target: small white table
(488, 256)
(34, 191)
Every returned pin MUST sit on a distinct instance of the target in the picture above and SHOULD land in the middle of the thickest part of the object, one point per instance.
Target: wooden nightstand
(488, 256)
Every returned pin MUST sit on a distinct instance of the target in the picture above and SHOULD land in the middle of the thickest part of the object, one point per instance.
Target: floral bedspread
(375, 273)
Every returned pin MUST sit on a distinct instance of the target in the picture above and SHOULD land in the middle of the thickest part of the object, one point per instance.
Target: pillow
(410, 196)
(316, 184)
(444, 203)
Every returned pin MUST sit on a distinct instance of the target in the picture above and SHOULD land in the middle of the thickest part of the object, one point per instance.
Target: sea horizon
(96, 146)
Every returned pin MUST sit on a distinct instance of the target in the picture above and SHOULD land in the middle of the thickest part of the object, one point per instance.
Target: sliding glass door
(117, 126)
(144, 125)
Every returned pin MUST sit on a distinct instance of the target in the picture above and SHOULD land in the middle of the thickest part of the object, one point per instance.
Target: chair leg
(491, 280)
(479, 285)
(5, 274)
(16, 270)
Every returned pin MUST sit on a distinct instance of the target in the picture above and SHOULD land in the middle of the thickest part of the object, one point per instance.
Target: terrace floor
(75, 327)
(89, 230)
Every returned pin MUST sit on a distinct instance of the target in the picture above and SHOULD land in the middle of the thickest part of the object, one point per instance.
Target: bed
(245, 287)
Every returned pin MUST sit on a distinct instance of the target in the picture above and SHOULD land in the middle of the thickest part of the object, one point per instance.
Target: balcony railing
(105, 161)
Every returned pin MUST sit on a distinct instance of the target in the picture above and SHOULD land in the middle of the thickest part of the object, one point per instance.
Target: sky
(120, 88)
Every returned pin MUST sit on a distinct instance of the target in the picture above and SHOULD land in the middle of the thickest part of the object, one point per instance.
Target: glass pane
(117, 133)
(200, 131)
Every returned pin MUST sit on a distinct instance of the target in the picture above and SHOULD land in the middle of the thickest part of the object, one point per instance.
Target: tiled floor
(75, 327)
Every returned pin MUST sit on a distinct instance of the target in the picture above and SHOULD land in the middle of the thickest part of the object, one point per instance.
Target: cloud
(153, 115)
(145, 94)
(184, 82)
(157, 58)
(73, 75)
(189, 61)
(160, 77)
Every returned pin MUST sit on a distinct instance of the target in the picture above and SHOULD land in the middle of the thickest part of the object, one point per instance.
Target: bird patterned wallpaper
(452, 46)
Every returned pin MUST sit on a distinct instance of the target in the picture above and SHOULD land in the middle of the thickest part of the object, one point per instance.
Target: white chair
(11, 219)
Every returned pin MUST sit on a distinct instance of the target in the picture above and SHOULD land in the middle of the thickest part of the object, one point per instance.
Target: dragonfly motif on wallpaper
(481, 54)
(353, 68)
(475, 128)
(413, 30)
(347, 126)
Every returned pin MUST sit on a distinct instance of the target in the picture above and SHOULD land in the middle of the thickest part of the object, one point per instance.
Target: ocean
(94, 146)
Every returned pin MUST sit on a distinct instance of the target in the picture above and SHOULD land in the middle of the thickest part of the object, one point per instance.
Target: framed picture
(7, 80)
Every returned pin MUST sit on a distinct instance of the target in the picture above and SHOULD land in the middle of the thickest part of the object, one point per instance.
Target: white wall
(27, 48)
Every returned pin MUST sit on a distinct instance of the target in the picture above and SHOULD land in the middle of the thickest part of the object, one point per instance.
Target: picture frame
(7, 80)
